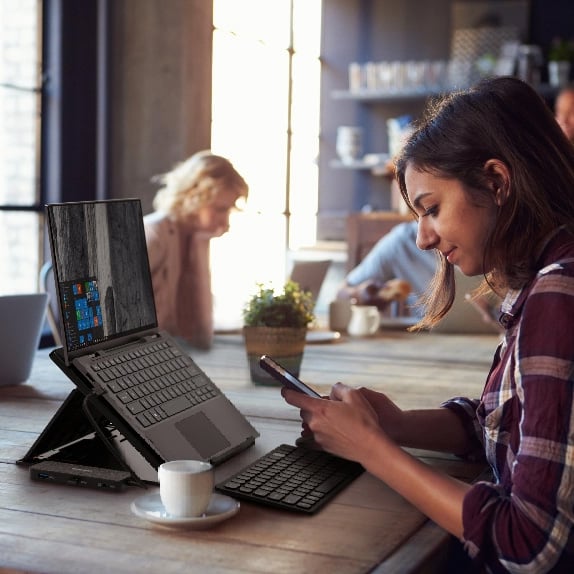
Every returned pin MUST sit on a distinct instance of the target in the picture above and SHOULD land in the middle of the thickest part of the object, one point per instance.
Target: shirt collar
(514, 299)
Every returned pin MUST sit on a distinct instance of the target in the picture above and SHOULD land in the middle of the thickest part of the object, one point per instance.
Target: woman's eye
(433, 210)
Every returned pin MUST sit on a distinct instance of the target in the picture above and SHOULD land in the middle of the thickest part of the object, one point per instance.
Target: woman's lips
(448, 255)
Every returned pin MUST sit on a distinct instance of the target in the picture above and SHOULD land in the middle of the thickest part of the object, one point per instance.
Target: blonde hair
(195, 183)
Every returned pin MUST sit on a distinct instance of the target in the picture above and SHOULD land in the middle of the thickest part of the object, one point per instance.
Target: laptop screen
(101, 271)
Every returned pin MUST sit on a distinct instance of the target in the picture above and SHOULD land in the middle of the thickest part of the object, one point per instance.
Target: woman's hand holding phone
(288, 379)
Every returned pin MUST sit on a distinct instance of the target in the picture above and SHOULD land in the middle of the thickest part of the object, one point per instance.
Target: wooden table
(367, 528)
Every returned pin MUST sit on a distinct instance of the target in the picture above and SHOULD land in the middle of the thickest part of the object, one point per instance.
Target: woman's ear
(497, 173)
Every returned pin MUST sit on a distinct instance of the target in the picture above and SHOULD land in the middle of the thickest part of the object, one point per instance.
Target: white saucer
(220, 508)
(322, 336)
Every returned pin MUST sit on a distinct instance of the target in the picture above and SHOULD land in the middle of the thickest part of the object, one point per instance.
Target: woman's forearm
(432, 429)
(437, 495)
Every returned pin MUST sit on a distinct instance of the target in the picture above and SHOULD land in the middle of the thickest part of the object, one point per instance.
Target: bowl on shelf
(375, 159)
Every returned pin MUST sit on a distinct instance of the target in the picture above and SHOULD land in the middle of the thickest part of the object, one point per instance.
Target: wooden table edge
(424, 552)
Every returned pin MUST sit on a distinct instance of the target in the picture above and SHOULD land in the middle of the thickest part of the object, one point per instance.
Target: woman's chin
(470, 271)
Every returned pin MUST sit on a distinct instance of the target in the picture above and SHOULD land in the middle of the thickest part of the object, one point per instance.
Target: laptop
(310, 275)
(20, 332)
(127, 369)
(462, 317)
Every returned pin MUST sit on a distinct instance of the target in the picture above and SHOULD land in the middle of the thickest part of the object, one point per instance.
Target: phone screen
(285, 377)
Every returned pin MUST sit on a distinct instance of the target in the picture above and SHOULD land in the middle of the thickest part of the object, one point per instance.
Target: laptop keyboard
(292, 478)
(155, 381)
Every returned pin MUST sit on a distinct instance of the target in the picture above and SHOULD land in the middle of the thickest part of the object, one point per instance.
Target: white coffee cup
(185, 487)
(365, 320)
(339, 314)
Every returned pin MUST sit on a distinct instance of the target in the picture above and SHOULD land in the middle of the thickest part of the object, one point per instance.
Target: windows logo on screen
(82, 312)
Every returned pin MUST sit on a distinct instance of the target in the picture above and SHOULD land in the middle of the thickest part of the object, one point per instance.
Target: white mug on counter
(185, 487)
(365, 320)
(339, 314)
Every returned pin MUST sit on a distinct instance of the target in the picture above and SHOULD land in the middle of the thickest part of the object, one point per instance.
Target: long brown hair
(505, 119)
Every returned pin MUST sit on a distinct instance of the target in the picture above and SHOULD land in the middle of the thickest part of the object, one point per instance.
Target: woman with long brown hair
(489, 175)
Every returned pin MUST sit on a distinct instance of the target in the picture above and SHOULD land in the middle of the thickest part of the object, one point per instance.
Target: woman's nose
(426, 236)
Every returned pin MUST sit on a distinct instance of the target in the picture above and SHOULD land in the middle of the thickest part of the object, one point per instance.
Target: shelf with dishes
(377, 163)
(386, 96)
(414, 94)
(349, 143)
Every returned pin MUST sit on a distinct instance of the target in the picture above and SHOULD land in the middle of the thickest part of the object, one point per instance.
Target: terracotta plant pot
(284, 344)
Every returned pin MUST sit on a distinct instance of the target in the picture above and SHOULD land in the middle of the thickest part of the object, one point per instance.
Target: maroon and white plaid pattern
(524, 521)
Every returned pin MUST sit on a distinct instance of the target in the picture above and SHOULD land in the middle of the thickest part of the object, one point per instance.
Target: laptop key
(125, 397)
(136, 407)
(176, 405)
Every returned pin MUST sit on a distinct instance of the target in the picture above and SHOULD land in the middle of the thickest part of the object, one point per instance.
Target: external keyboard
(154, 382)
(292, 478)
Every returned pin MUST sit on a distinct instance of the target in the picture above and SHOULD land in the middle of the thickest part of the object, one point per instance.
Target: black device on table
(295, 478)
(136, 380)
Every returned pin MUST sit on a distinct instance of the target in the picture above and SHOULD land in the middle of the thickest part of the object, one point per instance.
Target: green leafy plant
(289, 307)
(561, 50)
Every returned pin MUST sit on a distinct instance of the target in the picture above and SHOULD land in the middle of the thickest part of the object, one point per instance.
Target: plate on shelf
(220, 508)
(322, 336)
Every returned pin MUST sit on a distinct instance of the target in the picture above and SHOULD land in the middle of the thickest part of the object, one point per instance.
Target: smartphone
(285, 377)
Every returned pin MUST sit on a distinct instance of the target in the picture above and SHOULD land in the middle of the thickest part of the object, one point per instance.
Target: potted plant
(275, 324)
(560, 58)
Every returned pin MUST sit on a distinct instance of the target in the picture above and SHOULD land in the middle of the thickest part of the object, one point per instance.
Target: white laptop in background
(463, 318)
(310, 275)
(21, 321)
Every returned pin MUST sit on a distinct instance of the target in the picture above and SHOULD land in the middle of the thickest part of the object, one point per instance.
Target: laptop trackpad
(202, 434)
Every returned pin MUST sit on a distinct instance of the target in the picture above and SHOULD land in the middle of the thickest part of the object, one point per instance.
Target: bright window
(266, 121)
(20, 219)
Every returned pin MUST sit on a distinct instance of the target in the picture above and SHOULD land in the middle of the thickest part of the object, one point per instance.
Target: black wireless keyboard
(292, 478)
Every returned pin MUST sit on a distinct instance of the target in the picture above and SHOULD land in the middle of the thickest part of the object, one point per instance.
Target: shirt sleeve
(465, 410)
(396, 256)
(525, 521)
(378, 263)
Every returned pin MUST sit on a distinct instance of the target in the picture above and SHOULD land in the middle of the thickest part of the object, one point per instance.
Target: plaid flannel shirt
(524, 424)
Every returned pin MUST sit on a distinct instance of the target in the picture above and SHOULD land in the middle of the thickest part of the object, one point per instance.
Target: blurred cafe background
(98, 96)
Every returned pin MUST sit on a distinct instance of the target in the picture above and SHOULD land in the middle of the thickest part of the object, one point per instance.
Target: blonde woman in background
(191, 208)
